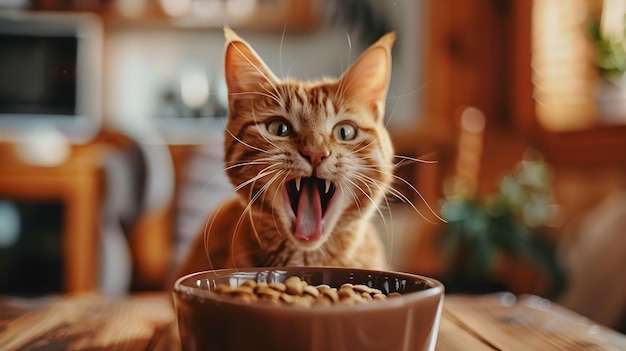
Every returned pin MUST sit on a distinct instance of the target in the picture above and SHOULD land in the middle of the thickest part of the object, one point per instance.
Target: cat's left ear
(367, 80)
(244, 70)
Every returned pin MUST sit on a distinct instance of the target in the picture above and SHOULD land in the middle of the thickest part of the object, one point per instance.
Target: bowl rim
(435, 288)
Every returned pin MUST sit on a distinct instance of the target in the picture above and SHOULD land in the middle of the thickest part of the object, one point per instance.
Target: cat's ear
(367, 80)
(244, 70)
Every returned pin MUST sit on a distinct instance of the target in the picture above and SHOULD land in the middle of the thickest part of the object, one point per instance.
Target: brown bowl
(208, 320)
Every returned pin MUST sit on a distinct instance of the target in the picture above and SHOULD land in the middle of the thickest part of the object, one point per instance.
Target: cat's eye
(345, 131)
(279, 127)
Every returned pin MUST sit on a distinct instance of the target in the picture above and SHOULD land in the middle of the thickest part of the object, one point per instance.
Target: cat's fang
(327, 186)
(298, 181)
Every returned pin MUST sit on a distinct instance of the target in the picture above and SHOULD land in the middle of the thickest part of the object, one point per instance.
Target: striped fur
(316, 122)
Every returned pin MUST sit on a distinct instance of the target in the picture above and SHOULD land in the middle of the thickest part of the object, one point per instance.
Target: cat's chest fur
(257, 241)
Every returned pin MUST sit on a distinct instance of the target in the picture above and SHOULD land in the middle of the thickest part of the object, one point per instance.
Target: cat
(311, 162)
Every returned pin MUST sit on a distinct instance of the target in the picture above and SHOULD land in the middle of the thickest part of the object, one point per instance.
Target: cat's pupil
(282, 130)
(345, 132)
(279, 128)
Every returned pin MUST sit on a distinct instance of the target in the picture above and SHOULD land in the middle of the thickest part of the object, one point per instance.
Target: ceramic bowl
(208, 320)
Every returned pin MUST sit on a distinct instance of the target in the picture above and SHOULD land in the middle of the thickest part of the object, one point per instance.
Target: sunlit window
(576, 82)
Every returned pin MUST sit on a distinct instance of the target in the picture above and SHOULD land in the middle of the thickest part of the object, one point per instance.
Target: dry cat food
(294, 291)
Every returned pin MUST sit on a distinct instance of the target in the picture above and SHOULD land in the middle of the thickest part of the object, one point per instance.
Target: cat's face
(309, 156)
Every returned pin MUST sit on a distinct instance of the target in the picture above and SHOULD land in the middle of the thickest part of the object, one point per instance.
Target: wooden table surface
(147, 322)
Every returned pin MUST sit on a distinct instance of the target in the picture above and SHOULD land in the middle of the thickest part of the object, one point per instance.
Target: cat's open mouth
(309, 198)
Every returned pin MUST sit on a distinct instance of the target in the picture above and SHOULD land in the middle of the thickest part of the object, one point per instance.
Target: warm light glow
(43, 146)
(473, 120)
(130, 8)
(207, 8)
(612, 22)
(240, 8)
(194, 87)
(470, 149)
(562, 58)
(175, 8)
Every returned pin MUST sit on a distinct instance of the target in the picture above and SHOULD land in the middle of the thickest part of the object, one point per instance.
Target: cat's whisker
(360, 146)
(388, 225)
(268, 94)
(413, 159)
(245, 213)
(383, 188)
(261, 192)
(345, 85)
(280, 50)
(365, 193)
(387, 119)
(261, 161)
(248, 209)
(366, 181)
(277, 94)
(267, 185)
(267, 78)
(260, 175)
(353, 97)
(280, 186)
(341, 88)
(289, 69)
(323, 252)
(419, 194)
(246, 144)
(253, 180)
(268, 162)
(395, 99)
(398, 194)
(410, 93)
(258, 161)
(339, 95)
(348, 187)
(251, 163)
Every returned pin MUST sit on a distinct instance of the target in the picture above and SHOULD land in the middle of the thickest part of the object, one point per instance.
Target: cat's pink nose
(315, 156)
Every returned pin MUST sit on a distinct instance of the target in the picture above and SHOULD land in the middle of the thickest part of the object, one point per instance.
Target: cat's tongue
(309, 216)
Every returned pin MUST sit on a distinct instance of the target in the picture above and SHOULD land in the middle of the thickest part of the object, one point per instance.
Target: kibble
(296, 292)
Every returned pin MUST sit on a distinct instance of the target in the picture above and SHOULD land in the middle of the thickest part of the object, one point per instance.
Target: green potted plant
(510, 223)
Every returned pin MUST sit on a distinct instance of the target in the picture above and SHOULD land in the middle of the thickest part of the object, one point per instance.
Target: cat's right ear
(244, 70)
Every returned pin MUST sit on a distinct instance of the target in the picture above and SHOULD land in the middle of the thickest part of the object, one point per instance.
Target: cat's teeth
(298, 180)
(327, 186)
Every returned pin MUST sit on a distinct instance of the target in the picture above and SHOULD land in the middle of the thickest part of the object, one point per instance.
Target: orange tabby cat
(310, 161)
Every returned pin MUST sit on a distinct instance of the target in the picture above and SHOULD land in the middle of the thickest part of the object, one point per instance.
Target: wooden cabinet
(77, 185)
(87, 185)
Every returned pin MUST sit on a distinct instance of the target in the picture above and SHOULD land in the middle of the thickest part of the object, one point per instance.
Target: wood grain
(87, 322)
(452, 336)
(147, 322)
(530, 323)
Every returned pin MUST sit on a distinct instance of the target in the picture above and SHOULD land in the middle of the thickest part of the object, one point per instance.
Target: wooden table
(147, 322)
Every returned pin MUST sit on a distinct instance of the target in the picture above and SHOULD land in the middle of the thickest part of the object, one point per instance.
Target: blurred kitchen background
(513, 113)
